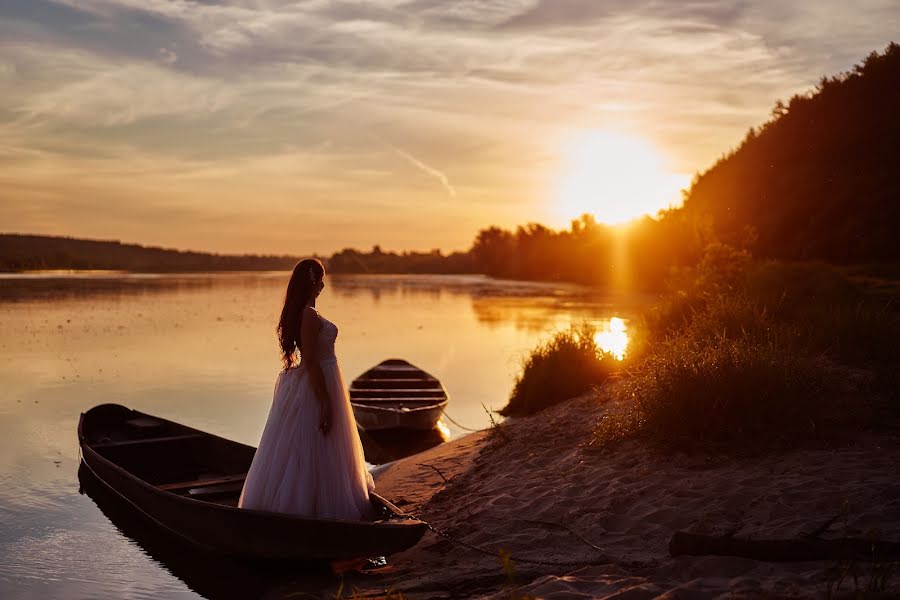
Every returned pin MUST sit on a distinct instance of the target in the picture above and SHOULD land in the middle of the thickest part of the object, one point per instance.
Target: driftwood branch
(436, 470)
(683, 543)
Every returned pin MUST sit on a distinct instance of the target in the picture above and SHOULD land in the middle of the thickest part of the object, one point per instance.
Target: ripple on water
(19, 498)
(86, 561)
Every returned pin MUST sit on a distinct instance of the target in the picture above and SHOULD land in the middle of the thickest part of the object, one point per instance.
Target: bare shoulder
(313, 315)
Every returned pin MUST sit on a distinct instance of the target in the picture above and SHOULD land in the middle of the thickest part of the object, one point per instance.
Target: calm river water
(200, 349)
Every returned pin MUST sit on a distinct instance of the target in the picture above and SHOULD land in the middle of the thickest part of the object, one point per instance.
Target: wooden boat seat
(144, 423)
(400, 393)
(393, 384)
(200, 483)
(223, 489)
(148, 441)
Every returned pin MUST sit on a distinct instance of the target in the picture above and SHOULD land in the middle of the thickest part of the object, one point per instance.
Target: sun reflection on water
(444, 429)
(612, 337)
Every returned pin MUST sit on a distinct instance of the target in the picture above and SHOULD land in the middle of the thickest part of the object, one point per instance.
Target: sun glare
(444, 430)
(612, 337)
(615, 178)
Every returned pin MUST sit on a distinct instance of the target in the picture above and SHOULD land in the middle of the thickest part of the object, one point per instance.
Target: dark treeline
(36, 252)
(351, 260)
(820, 179)
(640, 255)
(33, 252)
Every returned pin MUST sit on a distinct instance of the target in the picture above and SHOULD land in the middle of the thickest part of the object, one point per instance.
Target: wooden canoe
(397, 395)
(189, 481)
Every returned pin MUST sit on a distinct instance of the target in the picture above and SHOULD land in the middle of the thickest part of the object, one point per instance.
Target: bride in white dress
(310, 460)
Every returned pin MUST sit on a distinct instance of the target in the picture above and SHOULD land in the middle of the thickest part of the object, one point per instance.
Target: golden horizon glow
(615, 177)
(612, 337)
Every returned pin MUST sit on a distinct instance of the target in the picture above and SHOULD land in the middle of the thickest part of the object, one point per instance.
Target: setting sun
(615, 177)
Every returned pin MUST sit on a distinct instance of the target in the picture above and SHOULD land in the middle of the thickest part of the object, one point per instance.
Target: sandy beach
(600, 522)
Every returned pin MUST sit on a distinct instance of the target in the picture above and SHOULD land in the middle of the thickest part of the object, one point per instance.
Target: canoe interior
(168, 455)
(175, 458)
(397, 383)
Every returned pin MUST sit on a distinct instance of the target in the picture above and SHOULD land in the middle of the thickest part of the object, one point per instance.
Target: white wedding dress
(299, 470)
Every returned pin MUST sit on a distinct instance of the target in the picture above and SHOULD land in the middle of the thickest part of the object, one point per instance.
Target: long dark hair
(306, 276)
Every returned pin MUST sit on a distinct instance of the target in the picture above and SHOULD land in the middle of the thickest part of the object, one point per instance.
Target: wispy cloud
(115, 95)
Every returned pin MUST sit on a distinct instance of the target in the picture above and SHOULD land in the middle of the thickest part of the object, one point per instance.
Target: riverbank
(601, 521)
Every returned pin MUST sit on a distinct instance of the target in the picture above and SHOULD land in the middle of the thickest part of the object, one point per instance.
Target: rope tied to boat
(455, 422)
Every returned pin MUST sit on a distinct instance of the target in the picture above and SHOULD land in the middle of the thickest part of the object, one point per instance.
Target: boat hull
(374, 418)
(249, 533)
(395, 394)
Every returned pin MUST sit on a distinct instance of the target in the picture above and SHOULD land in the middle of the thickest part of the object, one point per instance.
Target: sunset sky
(293, 127)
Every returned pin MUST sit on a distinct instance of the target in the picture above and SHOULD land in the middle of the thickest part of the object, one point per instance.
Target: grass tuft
(567, 365)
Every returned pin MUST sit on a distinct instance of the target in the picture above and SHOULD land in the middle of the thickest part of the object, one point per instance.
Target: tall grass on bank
(748, 355)
(739, 393)
(568, 364)
(826, 312)
(741, 356)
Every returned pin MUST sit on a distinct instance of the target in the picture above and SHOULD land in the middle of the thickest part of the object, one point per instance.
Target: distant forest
(350, 260)
(818, 181)
(36, 252)
(33, 252)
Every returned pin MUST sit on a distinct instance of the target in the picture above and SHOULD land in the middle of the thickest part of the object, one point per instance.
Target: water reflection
(383, 446)
(201, 350)
(214, 577)
(612, 336)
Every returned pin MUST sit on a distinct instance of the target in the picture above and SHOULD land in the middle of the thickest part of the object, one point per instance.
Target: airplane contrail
(425, 168)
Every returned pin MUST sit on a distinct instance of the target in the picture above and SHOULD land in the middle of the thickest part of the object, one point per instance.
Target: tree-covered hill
(821, 179)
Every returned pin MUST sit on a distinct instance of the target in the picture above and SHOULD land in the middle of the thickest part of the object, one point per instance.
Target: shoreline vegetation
(756, 416)
(741, 356)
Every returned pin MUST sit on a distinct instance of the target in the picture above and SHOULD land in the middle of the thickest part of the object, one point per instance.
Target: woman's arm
(309, 333)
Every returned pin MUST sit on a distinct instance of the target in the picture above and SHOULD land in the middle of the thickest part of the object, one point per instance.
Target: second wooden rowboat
(397, 395)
